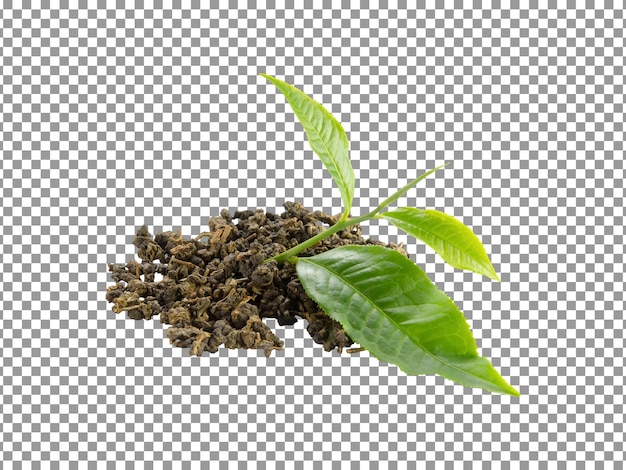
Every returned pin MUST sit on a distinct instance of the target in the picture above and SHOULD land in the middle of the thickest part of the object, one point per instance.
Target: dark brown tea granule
(213, 290)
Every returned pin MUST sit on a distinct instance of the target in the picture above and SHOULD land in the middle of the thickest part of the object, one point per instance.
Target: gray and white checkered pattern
(116, 114)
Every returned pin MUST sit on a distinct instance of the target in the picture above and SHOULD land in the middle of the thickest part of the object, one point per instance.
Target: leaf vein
(376, 307)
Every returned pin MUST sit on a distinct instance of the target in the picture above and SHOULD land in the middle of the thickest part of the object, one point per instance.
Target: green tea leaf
(388, 305)
(454, 241)
(326, 137)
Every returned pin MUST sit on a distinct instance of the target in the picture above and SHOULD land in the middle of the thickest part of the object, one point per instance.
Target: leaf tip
(512, 391)
(493, 275)
(488, 270)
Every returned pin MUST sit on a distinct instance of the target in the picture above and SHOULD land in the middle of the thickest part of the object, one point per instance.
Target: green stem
(338, 227)
(345, 222)
(403, 190)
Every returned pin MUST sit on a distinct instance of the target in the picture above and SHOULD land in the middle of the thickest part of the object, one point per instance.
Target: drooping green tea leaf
(388, 305)
(453, 240)
(326, 137)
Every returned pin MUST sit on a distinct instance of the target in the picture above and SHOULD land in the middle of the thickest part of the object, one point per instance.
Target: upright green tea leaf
(388, 305)
(326, 137)
(454, 241)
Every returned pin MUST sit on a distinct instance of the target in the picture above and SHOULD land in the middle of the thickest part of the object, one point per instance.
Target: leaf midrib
(417, 343)
(456, 247)
(330, 154)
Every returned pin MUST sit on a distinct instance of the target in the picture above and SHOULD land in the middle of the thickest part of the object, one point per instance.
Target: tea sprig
(384, 301)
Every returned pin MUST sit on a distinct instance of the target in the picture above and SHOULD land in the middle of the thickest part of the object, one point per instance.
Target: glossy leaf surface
(326, 137)
(451, 239)
(388, 305)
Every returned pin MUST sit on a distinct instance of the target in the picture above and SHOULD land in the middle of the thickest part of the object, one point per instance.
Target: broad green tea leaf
(388, 305)
(326, 137)
(454, 241)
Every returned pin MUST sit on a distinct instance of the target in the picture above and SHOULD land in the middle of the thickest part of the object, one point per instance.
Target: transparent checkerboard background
(118, 115)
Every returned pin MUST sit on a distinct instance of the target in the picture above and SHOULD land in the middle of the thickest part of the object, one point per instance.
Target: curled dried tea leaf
(210, 288)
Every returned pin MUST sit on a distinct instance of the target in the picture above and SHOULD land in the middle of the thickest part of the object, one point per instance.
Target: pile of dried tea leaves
(213, 289)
